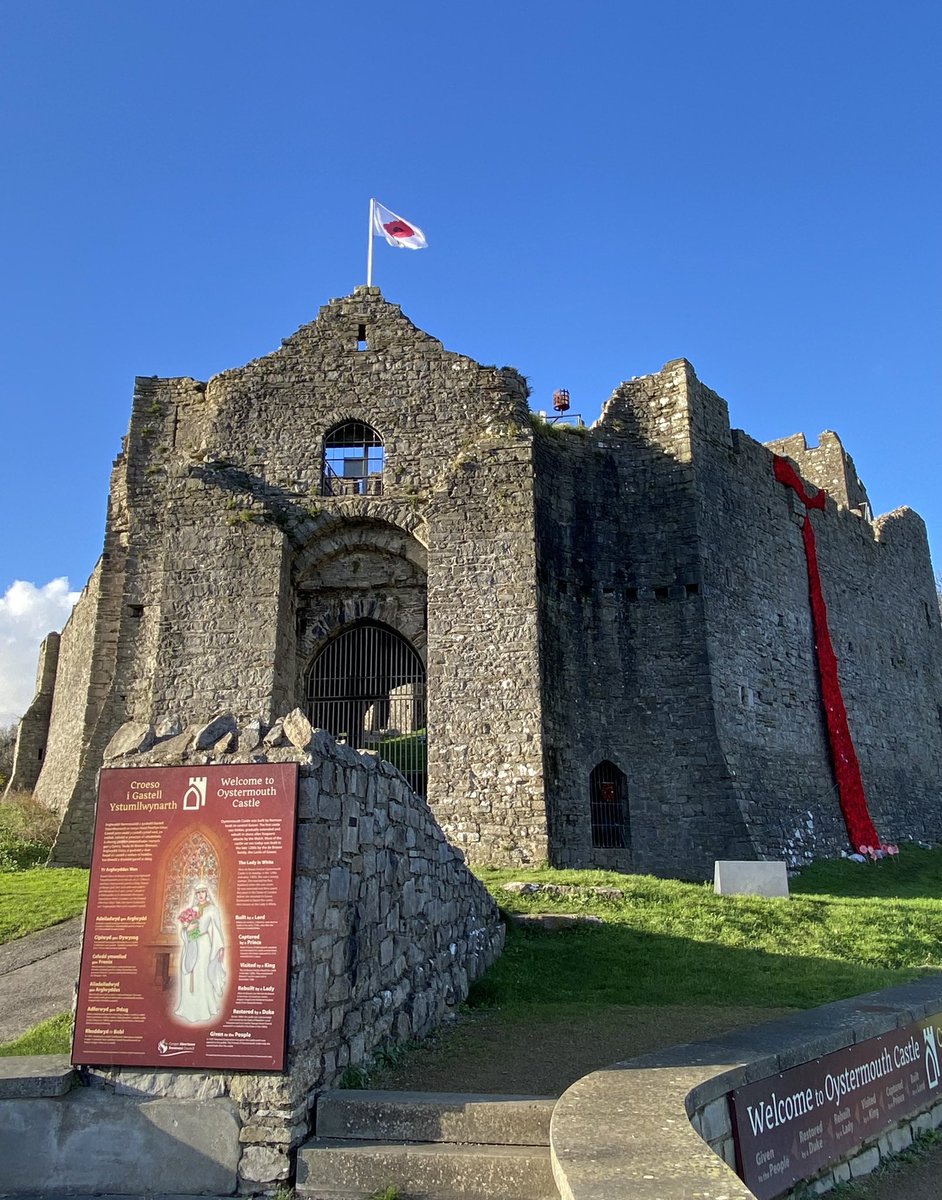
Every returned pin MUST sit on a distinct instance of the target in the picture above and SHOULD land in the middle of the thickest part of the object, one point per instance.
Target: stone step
(337, 1169)
(389, 1116)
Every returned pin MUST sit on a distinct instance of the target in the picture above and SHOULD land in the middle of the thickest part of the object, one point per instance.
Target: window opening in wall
(660, 593)
(607, 807)
(632, 593)
(692, 589)
(361, 337)
(353, 461)
(366, 687)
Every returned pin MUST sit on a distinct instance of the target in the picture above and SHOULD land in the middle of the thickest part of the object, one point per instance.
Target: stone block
(133, 737)
(864, 1163)
(103, 1143)
(208, 735)
(297, 729)
(173, 750)
(32, 1076)
(744, 878)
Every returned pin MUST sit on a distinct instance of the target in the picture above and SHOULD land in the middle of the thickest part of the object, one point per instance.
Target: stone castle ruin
(587, 646)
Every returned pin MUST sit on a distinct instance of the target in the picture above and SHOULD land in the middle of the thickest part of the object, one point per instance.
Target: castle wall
(625, 665)
(877, 584)
(233, 568)
(32, 733)
(828, 466)
(389, 930)
(485, 739)
(82, 677)
(632, 595)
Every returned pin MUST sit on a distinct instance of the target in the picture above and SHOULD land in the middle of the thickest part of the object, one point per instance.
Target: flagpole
(369, 253)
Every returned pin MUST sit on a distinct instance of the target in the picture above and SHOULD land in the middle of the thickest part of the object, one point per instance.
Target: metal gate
(367, 688)
(607, 808)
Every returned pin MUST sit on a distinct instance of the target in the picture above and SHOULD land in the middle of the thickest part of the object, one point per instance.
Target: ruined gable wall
(67, 726)
(625, 665)
(217, 529)
(32, 733)
(877, 584)
(458, 479)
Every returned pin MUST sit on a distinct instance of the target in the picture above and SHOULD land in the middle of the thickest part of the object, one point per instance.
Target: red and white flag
(395, 230)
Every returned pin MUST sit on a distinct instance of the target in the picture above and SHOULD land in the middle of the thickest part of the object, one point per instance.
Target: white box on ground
(731, 878)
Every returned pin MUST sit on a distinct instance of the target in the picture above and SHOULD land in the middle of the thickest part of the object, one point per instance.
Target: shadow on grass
(615, 964)
(560, 1004)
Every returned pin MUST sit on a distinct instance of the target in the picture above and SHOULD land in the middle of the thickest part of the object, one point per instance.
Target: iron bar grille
(367, 689)
(353, 461)
(607, 808)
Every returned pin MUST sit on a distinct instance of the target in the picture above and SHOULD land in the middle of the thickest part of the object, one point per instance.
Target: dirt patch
(542, 1052)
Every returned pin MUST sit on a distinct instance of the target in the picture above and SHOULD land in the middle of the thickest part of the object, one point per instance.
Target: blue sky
(754, 186)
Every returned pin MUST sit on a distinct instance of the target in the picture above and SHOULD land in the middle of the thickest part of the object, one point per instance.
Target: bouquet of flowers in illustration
(189, 920)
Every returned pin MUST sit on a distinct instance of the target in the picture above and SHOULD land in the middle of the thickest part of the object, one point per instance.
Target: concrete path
(37, 976)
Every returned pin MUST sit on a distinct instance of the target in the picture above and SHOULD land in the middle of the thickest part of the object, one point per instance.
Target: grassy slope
(665, 942)
(847, 928)
(35, 899)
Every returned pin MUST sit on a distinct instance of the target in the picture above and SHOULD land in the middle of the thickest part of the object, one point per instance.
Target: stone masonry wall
(633, 595)
(390, 928)
(625, 665)
(884, 623)
(485, 737)
(828, 466)
(32, 733)
(228, 557)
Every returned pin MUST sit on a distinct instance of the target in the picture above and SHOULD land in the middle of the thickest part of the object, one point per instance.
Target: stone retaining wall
(389, 930)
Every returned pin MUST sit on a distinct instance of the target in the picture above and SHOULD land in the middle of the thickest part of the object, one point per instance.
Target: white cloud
(27, 614)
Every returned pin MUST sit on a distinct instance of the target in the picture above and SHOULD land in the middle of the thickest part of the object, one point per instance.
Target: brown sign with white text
(186, 953)
(791, 1126)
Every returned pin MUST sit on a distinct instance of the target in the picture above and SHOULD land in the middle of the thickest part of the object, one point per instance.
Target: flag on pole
(396, 230)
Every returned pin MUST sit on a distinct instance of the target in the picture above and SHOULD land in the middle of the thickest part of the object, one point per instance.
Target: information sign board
(792, 1125)
(186, 953)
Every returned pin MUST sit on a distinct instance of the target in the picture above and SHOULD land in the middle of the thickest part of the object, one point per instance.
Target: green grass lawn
(847, 928)
(37, 898)
(48, 1037)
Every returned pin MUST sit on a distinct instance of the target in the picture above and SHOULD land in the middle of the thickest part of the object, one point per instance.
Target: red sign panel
(790, 1126)
(187, 943)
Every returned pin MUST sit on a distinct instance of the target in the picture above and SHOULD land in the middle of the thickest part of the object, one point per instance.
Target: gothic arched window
(353, 461)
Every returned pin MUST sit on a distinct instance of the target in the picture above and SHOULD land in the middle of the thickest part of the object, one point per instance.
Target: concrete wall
(660, 1125)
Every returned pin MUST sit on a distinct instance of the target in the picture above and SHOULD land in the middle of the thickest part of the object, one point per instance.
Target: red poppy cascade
(860, 828)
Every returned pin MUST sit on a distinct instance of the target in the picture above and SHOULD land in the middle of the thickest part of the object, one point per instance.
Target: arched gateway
(366, 686)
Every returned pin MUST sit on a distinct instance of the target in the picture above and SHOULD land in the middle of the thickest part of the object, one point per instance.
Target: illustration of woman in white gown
(202, 974)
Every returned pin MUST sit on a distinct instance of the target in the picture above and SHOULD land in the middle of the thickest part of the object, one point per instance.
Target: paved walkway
(37, 976)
